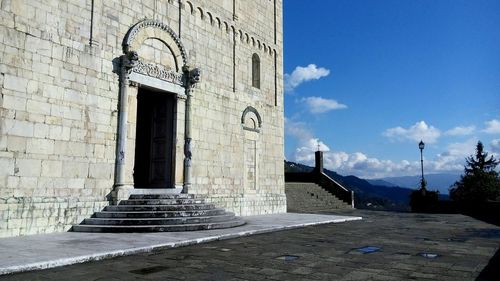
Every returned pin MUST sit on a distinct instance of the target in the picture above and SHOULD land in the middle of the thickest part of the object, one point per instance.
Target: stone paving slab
(33, 252)
(465, 249)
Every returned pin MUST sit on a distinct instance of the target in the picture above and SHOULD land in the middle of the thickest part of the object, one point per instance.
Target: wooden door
(154, 140)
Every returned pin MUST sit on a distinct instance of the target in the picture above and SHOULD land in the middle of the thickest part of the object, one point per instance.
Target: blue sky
(369, 79)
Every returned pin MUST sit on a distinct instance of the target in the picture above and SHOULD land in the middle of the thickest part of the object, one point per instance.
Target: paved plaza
(381, 246)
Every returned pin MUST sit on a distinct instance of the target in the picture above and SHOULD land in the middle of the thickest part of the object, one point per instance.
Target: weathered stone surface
(59, 102)
(467, 250)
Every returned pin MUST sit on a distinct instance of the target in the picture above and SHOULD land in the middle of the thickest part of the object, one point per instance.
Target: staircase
(157, 213)
(310, 197)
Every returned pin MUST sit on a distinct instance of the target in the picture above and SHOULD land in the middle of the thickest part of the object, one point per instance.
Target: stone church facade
(103, 99)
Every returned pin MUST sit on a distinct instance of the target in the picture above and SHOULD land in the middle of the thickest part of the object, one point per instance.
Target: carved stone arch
(217, 19)
(240, 35)
(251, 120)
(202, 15)
(153, 29)
(233, 31)
(191, 8)
(211, 18)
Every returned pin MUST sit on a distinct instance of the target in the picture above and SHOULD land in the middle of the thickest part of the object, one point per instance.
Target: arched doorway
(154, 112)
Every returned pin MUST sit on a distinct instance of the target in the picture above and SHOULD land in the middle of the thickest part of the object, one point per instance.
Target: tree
(480, 182)
(423, 200)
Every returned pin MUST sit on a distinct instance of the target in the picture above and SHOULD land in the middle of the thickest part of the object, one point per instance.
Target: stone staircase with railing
(310, 197)
(157, 213)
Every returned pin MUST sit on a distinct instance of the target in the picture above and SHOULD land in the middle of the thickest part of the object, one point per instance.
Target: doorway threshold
(175, 190)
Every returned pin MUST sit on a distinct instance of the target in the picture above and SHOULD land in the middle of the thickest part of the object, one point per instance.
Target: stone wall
(59, 105)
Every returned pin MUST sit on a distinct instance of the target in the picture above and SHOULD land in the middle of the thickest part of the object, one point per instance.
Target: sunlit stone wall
(59, 105)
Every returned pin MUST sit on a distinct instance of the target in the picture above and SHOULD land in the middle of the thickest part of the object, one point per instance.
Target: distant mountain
(366, 195)
(440, 182)
(380, 182)
(291, 167)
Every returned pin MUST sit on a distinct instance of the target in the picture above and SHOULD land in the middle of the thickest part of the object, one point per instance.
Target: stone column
(191, 76)
(127, 62)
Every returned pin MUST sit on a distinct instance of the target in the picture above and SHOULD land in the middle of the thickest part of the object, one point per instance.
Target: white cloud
(460, 131)
(492, 127)
(303, 74)
(453, 159)
(417, 132)
(298, 130)
(495, 146)
(321, 105)
(364, 166)
(356, 163)
(307, 143)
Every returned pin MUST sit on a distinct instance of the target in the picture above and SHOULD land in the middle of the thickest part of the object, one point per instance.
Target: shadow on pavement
(492, 218)
(492, 271)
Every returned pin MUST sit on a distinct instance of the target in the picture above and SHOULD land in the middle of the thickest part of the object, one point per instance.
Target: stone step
(158, 214)
(305, 197)
(158, 228)
(152, 208)
(159, 221)
(162, 196)
(161, 201)
(311, 207)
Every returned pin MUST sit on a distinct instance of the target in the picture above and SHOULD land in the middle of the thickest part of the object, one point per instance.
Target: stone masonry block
(52, 168)
(16, 144)
(38, 107)
(72, 169)
(40, 146)
(59, 132)
(53, 91)
(28, 182)
(28, 167)
(6, 167)
(100, 170)
(41, 130)
(15, 83)
(13, 102)
(18, 128)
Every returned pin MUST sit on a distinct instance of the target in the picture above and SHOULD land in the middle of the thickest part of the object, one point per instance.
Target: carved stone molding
(158, 71)
(134, 30)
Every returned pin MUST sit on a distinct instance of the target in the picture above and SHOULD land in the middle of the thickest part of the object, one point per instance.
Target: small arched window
(256, 71)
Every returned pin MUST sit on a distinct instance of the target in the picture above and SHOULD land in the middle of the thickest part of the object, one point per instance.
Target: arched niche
(251, 120)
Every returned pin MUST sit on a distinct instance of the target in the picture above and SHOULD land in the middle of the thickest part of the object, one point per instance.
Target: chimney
(319, 162)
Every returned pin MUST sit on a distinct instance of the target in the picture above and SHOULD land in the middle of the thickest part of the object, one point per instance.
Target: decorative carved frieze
(158, 71)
